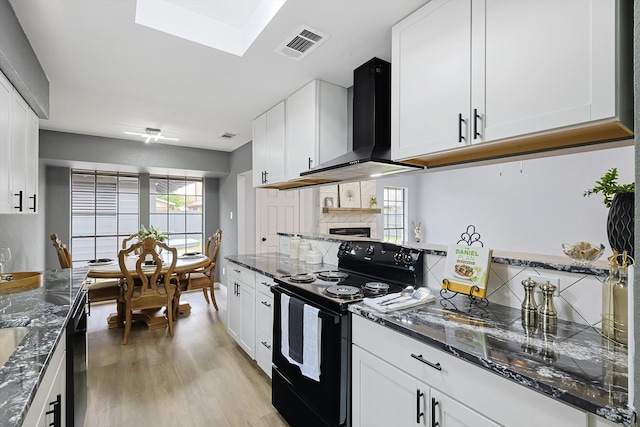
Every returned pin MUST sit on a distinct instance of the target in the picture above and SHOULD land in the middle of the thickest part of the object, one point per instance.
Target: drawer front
(241, 274)
(264, 284)
(488, 393)
(263, 352)
(264, 314)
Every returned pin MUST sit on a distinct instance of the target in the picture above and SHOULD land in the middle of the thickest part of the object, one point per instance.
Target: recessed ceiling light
(227, 135)
(152, 134)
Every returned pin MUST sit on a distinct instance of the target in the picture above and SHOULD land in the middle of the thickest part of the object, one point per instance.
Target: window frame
(398, 232)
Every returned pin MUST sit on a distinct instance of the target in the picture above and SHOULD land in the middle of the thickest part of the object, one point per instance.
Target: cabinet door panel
(234, 312)
(383, 395)
(260, 149)
(276, 138)
(18, 150)
(6, 196)
(248, 326)
(431, 78)
(31, 197)
(301, 131)
(450, 413)
(539, 66)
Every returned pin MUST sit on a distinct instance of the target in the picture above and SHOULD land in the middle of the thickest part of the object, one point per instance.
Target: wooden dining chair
(64, 256)
(204, 277)
(146, 286)
(98, 289)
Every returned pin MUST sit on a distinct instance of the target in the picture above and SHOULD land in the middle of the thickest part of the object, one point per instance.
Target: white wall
(534, 210)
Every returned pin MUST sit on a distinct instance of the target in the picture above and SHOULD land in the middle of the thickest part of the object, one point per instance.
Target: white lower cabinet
(241, 308)
(397, 378)
(48, 405)
(405, 401)
(264, 322)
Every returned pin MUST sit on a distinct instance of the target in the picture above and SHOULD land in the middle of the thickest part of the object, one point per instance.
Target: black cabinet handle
(19, 196)
(266, 304)
(266, 177)
(266, 284)
(434, 403)
(236, 270)
(264, 239)
(419, 413)
(476, 134)
(264, 343)
(426, 362)
(460, 121)
(34, 202)
(310, 161)
(56, 411)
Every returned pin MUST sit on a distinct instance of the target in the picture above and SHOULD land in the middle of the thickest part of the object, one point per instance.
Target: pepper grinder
(547, 312)
(529, 306)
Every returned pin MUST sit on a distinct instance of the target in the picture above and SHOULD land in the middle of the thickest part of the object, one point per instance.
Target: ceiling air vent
(301, 43)
(227, 135)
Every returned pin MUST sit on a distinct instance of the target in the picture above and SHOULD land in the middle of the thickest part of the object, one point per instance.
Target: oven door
(301, 400)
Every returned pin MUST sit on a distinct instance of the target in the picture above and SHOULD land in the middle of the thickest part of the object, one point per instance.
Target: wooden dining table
(111, 270)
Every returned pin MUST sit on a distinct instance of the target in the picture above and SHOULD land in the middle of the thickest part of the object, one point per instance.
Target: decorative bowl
(583, 253)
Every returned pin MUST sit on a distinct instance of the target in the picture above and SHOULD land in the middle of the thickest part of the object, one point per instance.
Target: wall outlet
(224, 271)
(539, 279)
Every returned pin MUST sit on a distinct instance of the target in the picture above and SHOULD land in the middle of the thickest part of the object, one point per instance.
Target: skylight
(227, 25)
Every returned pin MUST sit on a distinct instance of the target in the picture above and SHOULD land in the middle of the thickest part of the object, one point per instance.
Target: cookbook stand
(469, 237)
(446, 294)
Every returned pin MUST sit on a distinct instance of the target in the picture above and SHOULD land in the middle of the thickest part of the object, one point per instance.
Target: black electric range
(365, 269)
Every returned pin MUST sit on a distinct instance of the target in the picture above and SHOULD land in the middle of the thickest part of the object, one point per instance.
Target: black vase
(620, 223)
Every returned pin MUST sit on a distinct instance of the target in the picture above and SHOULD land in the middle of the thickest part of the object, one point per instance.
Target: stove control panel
(382, 260)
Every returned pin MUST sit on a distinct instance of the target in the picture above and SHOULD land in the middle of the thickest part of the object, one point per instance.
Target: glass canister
(294, 246)
(607, 296)
(621, 304)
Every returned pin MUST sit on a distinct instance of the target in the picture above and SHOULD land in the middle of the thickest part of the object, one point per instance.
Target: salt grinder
(547, 312)
(529, 306)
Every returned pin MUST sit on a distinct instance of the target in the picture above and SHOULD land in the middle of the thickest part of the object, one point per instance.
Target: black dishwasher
(77, 364)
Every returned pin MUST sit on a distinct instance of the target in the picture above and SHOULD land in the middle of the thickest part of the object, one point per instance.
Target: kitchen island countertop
(576, 365)
(45, 311)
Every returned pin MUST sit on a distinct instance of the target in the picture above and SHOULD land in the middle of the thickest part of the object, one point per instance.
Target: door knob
(264, 239)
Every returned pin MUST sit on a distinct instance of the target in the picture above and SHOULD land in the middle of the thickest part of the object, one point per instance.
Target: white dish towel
(311, 333)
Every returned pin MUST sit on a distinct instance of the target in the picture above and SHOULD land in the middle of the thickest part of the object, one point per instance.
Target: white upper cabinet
(19, 144)
(431, 78)
(500, 71)
(316, 127)
(268, 146)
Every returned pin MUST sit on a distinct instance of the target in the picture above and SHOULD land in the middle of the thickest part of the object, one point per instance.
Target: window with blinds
(104, 210)
(175, 206)
(393, 214)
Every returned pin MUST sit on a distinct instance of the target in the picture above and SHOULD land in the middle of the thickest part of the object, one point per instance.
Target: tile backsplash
(579, 300)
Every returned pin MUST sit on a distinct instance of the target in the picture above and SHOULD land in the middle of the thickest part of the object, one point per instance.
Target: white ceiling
(109, 75)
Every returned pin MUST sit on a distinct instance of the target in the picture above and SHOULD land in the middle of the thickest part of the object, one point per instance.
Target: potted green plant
(145, 232)
(619, 198)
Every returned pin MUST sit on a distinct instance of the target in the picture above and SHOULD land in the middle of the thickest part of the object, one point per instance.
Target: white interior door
(276, 212)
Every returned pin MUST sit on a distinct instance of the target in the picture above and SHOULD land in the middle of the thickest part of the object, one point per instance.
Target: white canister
(303, 249)
(293, 247)
(314, 257)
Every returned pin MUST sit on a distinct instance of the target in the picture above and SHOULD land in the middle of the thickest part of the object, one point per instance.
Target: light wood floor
(200, 377)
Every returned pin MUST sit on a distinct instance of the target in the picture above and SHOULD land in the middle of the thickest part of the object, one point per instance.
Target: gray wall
(95, 152)
(20, 64)
(56, 210)
(241, 161)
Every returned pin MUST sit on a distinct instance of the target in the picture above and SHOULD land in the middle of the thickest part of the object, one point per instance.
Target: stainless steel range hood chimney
(371, 154)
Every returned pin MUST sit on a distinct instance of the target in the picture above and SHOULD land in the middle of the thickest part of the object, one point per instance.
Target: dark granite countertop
(45, 311)
(276, 264)
(576, 365)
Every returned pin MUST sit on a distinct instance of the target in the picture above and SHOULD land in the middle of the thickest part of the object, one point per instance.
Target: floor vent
(301, 43)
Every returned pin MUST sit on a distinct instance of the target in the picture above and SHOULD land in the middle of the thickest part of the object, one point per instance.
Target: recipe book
(467, 270)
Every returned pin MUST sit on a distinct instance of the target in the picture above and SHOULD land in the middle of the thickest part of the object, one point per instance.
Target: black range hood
(371, 154)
